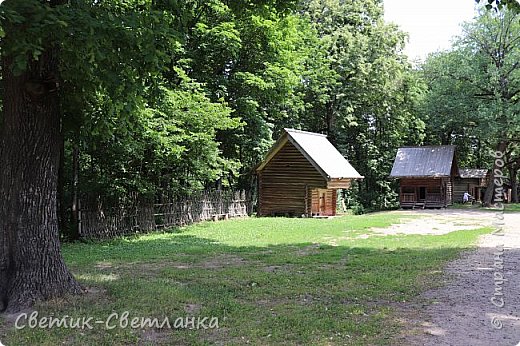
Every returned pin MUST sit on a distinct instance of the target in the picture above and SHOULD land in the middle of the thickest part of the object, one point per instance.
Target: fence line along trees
(116, 81)
(139, 215)
(67, 67)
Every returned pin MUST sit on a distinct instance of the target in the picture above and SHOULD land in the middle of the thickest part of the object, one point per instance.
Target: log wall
(286, 183)
(436, 188)
(471, 185)
(325, 207)
(419, 182)
(448, 185)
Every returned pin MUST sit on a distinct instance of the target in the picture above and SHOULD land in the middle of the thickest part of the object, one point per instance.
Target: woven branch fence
(96, 222)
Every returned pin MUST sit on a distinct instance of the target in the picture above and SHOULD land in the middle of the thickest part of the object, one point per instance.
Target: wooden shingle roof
(473, 173)
(318, 151)
(425, 161)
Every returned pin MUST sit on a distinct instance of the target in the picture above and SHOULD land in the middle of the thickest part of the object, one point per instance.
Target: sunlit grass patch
(268, 280)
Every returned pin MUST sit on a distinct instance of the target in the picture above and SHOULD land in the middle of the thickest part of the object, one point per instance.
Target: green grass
(508, 208)
(513, 207)
(268, 280)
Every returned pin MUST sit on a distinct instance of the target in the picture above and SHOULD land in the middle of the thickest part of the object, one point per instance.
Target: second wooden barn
(474, 181)
(300, 176)
(426, 176)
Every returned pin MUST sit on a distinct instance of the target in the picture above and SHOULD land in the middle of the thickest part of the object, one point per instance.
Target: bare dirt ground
(438, 221)
(461, 311)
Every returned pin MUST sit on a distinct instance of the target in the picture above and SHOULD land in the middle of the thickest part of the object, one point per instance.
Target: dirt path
(461, 312)
(438, 222)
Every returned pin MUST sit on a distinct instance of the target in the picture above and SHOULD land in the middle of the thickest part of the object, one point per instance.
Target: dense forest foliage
(168, 97)
(205, 103)
(473, 94)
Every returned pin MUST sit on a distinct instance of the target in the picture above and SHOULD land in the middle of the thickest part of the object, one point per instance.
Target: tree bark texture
(74, 233)
(31, 265)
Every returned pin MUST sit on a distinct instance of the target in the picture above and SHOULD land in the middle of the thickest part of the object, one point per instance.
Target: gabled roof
(473, 173)
(426, 161)
(317, 149)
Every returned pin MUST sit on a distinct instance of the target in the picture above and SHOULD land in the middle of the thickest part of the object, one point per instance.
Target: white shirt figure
(466, 197)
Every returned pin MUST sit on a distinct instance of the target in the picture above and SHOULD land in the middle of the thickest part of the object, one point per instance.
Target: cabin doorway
(323, 202)
(422, 193)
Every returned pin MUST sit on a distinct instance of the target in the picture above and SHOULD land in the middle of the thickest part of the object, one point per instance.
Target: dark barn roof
(318, 151)
(427, 161)
(473, 173)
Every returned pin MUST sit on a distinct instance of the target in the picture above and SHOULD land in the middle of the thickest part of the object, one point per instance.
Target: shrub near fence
(99, 222)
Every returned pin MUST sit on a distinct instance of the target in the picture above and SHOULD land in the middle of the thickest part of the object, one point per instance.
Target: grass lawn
(268, 280)
(511, 207)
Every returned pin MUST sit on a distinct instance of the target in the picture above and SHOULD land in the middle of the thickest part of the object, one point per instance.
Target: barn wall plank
(285, 182)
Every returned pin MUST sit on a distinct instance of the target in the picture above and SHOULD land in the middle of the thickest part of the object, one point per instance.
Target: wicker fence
(140, 217)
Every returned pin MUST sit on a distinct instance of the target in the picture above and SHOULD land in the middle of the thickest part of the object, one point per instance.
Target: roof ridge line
(289, 130)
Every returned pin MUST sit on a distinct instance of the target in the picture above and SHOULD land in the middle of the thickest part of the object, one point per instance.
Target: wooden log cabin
(471, 180)
(300, 176)
(426, 176)
(475, 181)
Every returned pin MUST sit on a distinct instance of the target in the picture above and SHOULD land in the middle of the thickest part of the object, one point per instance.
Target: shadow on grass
(300, 293)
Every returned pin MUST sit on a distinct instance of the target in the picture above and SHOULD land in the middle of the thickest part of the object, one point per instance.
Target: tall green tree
(53, 52)
(512, 5)
(474, 91)
(248, 56)
(361, 91)
(450, 109)
(31, 266)
(171, 148)
(145, 94)
(495, 37)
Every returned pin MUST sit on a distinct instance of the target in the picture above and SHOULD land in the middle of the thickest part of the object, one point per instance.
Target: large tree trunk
(31, 264)
(61, 192)
(74, 233)
(488, 196)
